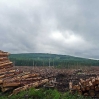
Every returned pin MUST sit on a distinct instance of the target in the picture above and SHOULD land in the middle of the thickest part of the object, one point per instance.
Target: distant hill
(55, 59)
(44, 56)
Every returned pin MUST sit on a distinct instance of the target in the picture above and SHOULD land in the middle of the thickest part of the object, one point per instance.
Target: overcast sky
(69, 27)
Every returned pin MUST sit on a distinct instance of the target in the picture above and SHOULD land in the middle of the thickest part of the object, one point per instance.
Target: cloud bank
(67, 27)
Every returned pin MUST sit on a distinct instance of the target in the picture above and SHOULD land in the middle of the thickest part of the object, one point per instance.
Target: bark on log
(20, 82)
(4, 53)
(4, 64)
(6, 89)
(6, 75)
(87, 82)
(74, 87)
(83, 88)
(82, 81)
(92, 93)
(97, 81)
(90, 83)
(92, 87)
(20, 76)
(2, 76)
(36, 84)
(70, 85)
(12, 71)
(87, 88)
(3, 58)
(29, 75)
(4, 61)
(33, 79)
(5, 70)
(11, 84)
(80, 92)
(96, 88)
(1, 81)
(78, 87)
(15, 77)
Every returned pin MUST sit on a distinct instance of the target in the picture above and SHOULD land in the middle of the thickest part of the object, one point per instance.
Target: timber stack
(14, 79)
(87, 87)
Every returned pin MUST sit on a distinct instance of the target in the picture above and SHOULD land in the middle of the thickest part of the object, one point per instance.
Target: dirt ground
(62, 77)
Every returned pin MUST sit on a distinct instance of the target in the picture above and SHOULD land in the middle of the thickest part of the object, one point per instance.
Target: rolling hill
(42, 59)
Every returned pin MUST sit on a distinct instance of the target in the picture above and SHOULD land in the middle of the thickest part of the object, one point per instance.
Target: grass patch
(43, 94)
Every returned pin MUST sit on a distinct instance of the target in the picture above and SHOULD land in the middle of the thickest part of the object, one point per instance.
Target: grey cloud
(28, 25)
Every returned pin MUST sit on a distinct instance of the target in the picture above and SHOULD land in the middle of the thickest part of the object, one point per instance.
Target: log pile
(88, 87)
(15, 79)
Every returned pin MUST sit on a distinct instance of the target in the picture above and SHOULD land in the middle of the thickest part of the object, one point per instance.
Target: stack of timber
(88, 87)
(14, 79)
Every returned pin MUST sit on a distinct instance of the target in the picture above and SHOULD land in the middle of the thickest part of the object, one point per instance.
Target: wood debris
(17, 80)
(88, 87)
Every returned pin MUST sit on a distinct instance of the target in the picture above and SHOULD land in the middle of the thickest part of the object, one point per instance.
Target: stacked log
(4, 61)
(14, 79)
(35, 84)
(88, 87)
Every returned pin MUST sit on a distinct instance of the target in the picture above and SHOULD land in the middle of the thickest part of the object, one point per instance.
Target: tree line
(53, 62)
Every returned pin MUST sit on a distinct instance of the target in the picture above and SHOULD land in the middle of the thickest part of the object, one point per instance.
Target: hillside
(45, 59)
(44, 56)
